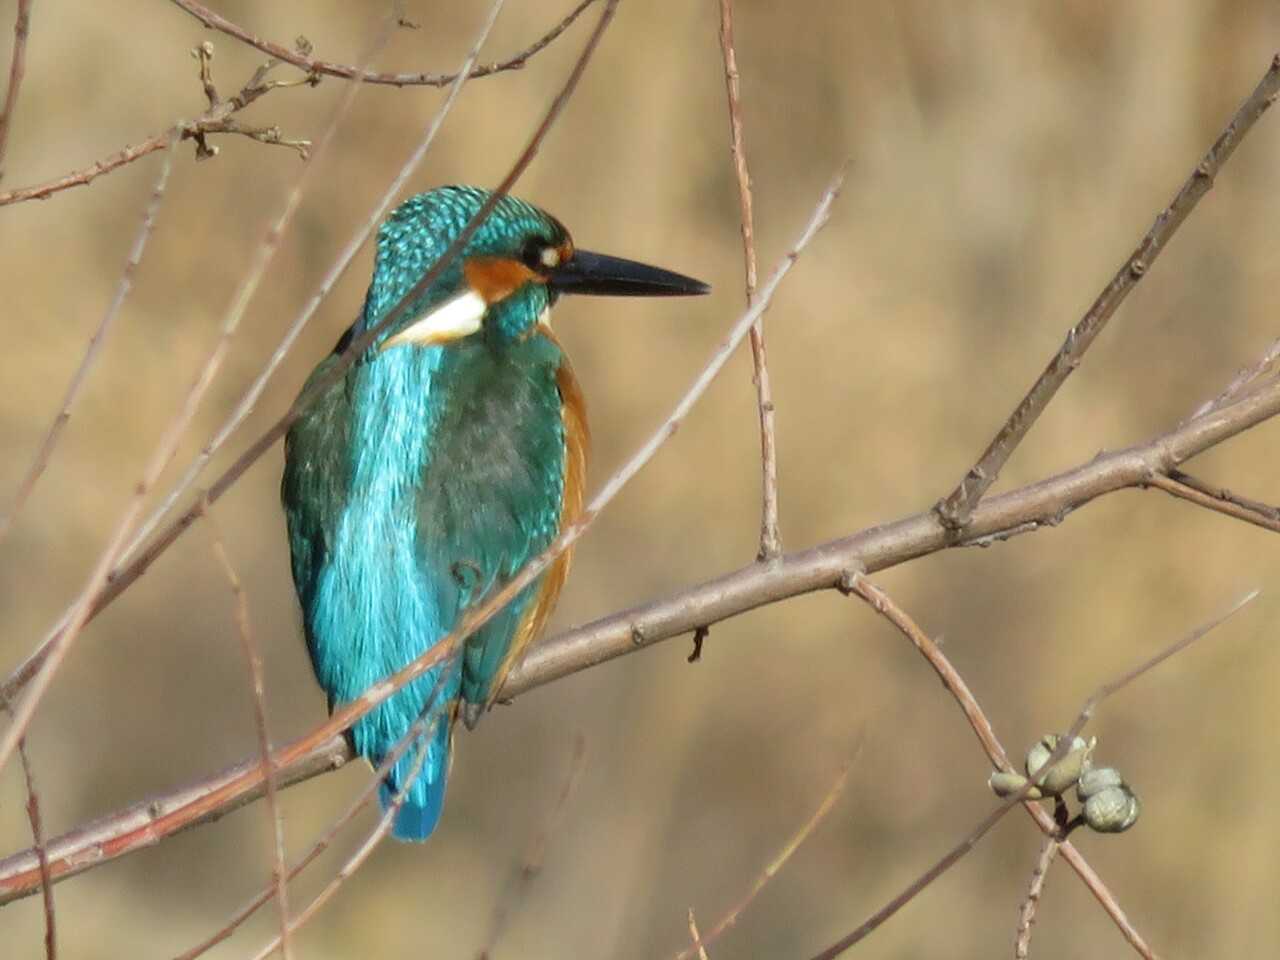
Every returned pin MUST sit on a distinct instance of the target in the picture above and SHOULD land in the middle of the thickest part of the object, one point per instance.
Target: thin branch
(339, 268)
(253, 657)
(518, 887)
(172, 437)
(37, 840)
(1222, 501)
(956, 509)
(970, 841)
(954, 683)
(362, 854)
(1027, 913)
(321, 845)
(697, 937)
(17, 70)
(1244, 378)
(303, 61)
(14, 882)
(770, 542)
(142, 824)
(770, 871)
(123, 287)
(219, 118)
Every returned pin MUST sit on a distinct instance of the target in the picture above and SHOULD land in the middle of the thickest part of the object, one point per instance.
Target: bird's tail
(424, 800)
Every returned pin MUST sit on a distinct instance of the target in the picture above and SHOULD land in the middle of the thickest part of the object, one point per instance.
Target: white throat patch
(457, 317)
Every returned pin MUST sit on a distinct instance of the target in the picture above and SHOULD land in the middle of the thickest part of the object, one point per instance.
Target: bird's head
(509, 274)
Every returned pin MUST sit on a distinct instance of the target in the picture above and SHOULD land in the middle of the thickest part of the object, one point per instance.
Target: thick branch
(956, 509)
(826, 566)
(303, 61)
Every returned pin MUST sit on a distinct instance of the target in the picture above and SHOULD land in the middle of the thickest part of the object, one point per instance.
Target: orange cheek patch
(496, 278)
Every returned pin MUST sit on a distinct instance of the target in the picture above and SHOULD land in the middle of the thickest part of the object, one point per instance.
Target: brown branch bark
(1031, 903)
(1186, 487)
(770, 540)
(954, 683)
(257, 685)
(957, 507)
(303, 61)
(17, 71)
(94, 348)
(42, 855)
(219, 118)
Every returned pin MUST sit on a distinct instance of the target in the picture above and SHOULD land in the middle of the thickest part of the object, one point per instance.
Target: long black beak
(596, 273)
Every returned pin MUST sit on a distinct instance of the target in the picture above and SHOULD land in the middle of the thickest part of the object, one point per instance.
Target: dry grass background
(1006, 156)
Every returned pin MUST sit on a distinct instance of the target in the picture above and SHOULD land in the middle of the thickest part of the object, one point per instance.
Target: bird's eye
(540, 256)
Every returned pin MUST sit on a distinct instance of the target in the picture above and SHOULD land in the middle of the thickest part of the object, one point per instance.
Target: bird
(448, 454)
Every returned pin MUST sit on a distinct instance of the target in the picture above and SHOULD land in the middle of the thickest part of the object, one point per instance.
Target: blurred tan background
(1005, 158)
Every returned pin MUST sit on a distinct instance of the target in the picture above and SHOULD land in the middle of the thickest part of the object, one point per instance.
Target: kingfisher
(449, 454)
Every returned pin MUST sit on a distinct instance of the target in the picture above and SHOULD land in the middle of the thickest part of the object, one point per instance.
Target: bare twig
(94, 349)
(303, 61)
(1222, 501)
(770, 542)
(169, 441)
(14, 881)
(140, 825)
(697, 937)
(348, 254)
(1027, 913)
(956, 509)
(770, 871)
(1244, 378)
(357, 804)
(219, 118)
(17, 70)
(954, 683)
(253, 656)
(517, 888)
(358, 858)
(37, 841)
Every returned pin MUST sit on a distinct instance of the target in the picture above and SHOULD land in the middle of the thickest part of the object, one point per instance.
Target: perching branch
(957, 507)
(302, 59)
(1034, 507)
